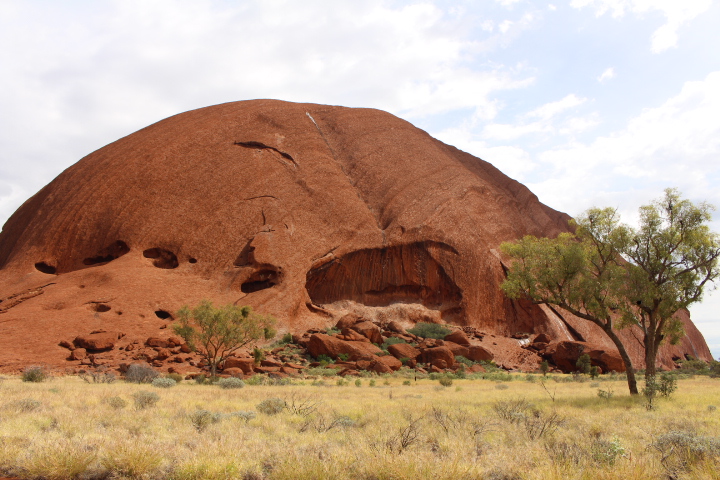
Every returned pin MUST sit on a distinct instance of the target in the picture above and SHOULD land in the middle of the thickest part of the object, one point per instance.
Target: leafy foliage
(34, 374)
(429, 330)
(216, 333)
(609, 273)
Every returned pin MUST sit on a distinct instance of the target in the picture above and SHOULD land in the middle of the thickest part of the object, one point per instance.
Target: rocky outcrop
(306, 212)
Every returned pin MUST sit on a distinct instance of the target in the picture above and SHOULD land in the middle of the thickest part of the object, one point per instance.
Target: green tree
(216, 333)
(616, 276)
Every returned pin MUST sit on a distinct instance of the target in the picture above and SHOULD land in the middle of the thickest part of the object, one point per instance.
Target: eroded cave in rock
(267, 276)
(384, 276)
(108, 254)
(161, 258)
(163, 314)
(46, 268)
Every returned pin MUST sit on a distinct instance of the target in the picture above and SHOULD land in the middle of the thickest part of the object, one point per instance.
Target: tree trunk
(629, 369)
(651, 349)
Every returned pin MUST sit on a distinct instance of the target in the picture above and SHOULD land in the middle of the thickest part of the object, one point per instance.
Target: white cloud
(608, 74)
(675, 144)
(542, 119)
(676, 12)
(549, 110)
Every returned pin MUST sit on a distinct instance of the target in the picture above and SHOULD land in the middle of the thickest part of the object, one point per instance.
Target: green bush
(34, 374)
(271, 406)
(201, 419)
(407, 382)
(583, 364)
(163, 382)
(231, 382)
(324, 359)
(464, 361)
(667, 384)
(358, 382)
(144, 399)
(141, 373)
(445, 381)
(175, 376)
(429, 330)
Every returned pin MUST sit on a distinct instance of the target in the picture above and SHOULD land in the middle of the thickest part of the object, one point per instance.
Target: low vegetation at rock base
(400, 426)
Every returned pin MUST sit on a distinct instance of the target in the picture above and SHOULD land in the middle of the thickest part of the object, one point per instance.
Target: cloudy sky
(587, 102)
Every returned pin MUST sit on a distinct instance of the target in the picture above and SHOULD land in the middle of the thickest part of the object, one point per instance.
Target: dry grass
(393, 431)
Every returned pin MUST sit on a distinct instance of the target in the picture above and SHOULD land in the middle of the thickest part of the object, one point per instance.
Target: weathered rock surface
(306, 212)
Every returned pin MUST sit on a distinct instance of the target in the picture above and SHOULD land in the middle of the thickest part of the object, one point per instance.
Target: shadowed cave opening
(382, 276)
(161, 258)
(100, 307)
(163, 314)
(108, 254)
(46, 268)
(261, 280)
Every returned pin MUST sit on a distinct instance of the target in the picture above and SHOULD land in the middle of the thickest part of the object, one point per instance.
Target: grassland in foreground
(474, 429)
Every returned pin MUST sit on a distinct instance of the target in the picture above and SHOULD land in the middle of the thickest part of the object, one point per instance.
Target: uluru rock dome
(306, 212)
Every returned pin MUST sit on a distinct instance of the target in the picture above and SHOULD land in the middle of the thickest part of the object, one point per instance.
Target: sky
(586, 102)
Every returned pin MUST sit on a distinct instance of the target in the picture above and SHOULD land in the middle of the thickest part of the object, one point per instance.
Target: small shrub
(501, 386)
(544, 367)
(231, 382)
(201, 379)
(606, 452)
(358, 382)
(144, 399)
(445, 381)
(201, 419)
(583, 363)
(258, 355)
(667, 384)
(341, 382)
(324, 359)
(343, 357)
(606, 394)
(244, 415)
(464, 361)
(164, 382)
(98, 376)
(116, 402)
(271, 406)
(35, 374)
(175, 376)
(140, 373)
(255, 380)
(406, 382)
(512, 411)
(429, 330)
(371, 383)
(680, 451)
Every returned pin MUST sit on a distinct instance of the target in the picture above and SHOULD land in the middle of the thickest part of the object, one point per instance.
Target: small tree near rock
(217, 332)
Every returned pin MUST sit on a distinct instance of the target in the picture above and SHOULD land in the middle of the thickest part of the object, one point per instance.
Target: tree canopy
(217, 332)
(617, 276)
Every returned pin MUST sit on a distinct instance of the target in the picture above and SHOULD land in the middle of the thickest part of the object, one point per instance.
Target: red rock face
(306, 212)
